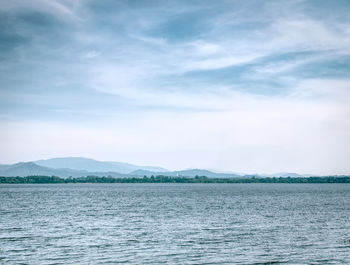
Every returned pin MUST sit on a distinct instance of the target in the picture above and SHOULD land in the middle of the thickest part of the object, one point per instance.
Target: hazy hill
(186, 173)
(142, 172)
(29, 169)
(286, 174)
(80, 163)
(79, 167)
(202, 172)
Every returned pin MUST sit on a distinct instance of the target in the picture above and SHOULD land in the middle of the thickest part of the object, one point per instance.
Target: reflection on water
(175, 224)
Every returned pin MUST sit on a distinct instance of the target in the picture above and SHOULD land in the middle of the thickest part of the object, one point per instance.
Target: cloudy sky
(243, 86)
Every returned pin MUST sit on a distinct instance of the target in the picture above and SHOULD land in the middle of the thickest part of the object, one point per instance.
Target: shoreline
(166, 179)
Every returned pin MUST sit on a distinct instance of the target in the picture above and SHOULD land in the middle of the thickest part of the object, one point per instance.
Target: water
(175, 224)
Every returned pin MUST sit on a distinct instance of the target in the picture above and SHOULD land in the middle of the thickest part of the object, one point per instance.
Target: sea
(175, 224)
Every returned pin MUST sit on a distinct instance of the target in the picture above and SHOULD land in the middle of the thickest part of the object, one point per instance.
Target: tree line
(167, 179)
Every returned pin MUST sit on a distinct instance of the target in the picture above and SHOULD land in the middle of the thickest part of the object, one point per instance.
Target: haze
(239, 86)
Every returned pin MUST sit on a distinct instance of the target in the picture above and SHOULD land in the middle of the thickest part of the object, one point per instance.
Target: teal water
(175, 224)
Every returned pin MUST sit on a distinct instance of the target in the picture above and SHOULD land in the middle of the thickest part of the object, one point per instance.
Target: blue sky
(248, 86)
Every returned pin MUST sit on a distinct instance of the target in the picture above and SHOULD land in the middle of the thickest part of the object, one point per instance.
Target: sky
(235, 86)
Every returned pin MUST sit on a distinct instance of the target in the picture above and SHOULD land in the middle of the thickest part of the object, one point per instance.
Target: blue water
(175, 224)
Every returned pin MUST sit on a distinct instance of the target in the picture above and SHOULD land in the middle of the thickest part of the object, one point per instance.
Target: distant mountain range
(79, 167)
(80, 163)
(198, 172)
(30, 169)
(286, 174)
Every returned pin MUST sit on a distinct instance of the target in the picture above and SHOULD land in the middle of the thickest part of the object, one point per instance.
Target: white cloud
(60, 8)
(217, 62)
(330, 90)
(91, 54)
(254, 134)
(226, 128)
(312, 35)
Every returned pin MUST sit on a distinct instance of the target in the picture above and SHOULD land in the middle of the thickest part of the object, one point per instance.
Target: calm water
(175, 224)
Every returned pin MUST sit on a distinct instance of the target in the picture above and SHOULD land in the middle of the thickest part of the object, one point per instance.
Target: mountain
(24, 169)
(4, 167)
(30, 168)
(80, 163)
(186, 173)
(286, 174)
(142, 172)
(80, 167)
(202, 172)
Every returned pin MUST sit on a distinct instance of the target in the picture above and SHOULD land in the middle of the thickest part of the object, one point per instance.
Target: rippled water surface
(175, 224)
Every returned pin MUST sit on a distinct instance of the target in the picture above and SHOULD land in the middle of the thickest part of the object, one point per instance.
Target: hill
(30, 169)
(24, 169)
(81, 163)
(80, 167)
(185, 173)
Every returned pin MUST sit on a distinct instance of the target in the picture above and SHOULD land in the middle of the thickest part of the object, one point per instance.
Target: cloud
(330, 90)
(91, 54)
(256, 86)
(308, 34)
(254, 134)
(60, 8)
